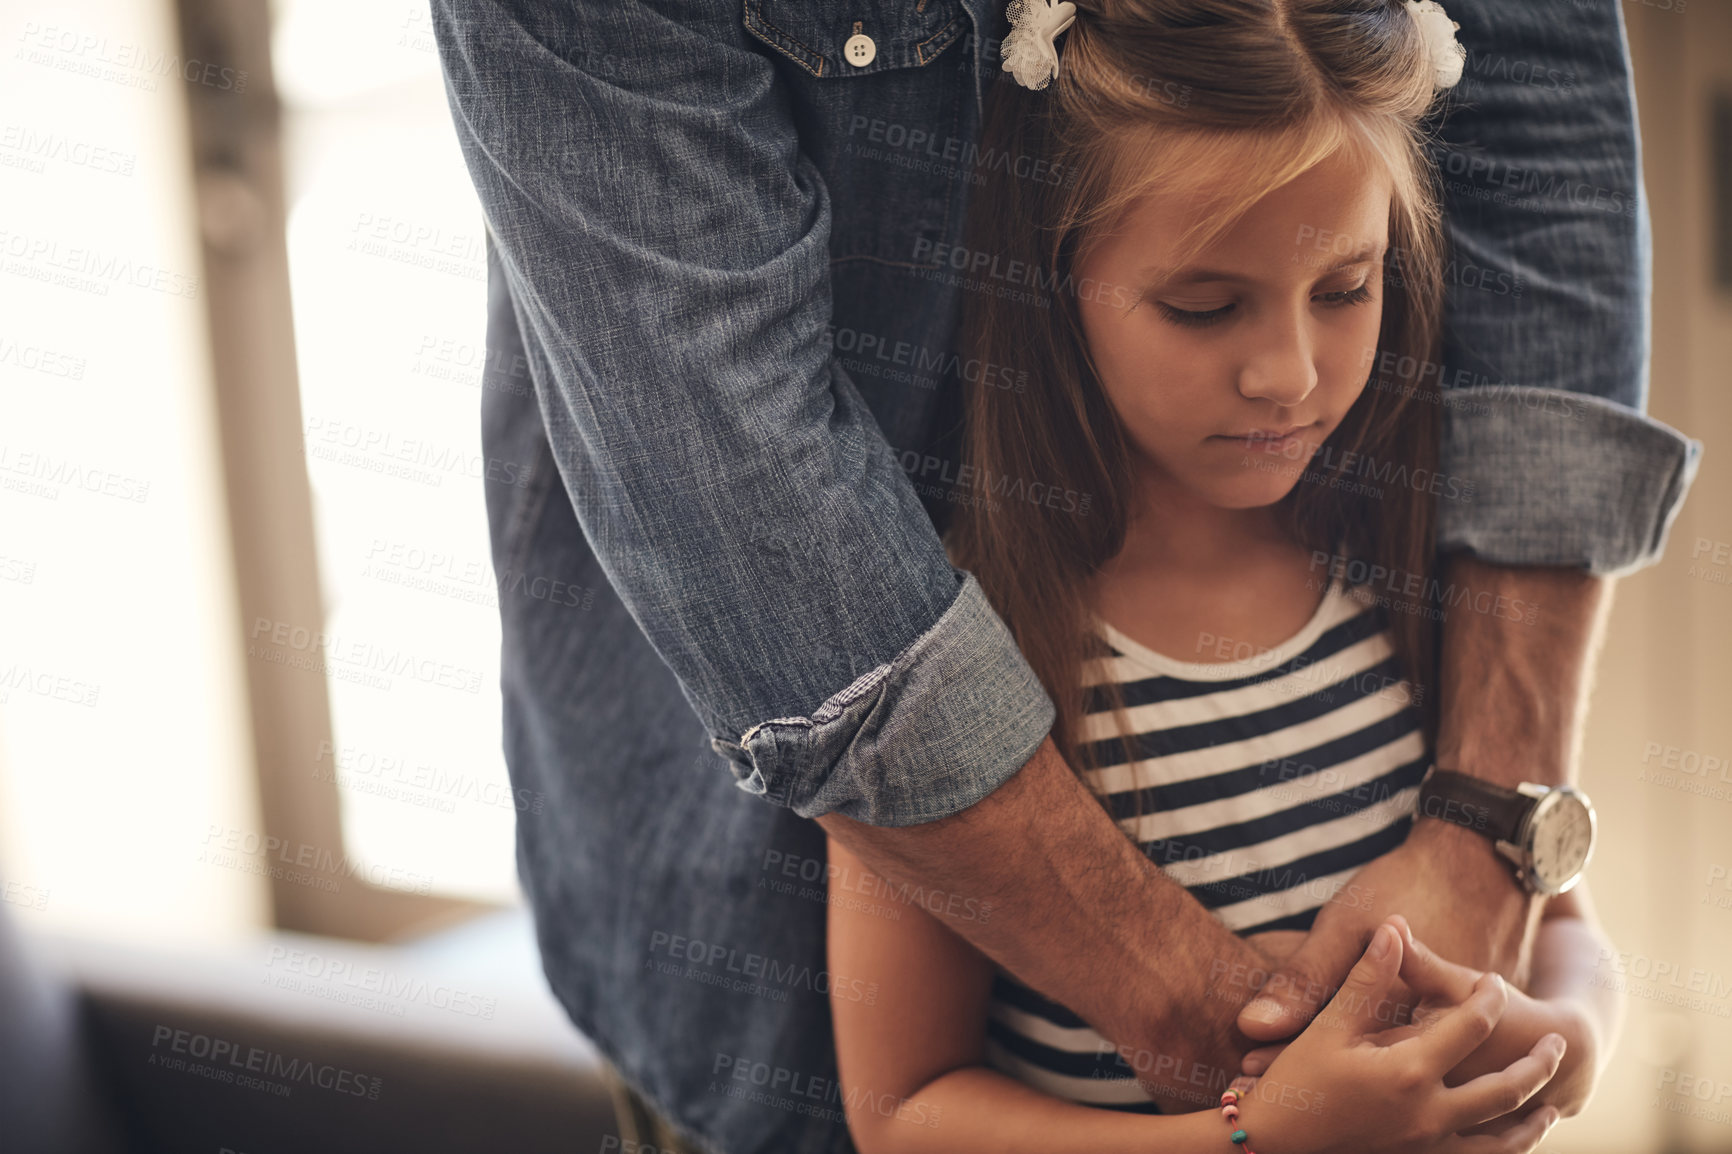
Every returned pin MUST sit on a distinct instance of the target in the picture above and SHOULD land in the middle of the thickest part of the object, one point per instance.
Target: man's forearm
(1513, 694)
(1510, 694)
(1512, 697)
(1080, 915)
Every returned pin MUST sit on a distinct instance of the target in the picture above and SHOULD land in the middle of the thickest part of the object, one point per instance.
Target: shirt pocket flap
(897, 33)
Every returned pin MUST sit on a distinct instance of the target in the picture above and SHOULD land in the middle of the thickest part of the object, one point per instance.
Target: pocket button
(859, 50)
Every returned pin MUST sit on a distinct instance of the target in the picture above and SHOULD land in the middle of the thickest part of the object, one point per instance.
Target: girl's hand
(1525, 1021)
(1356, 1080)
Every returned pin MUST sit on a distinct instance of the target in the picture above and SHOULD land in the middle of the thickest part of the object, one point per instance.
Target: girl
(1246, 227)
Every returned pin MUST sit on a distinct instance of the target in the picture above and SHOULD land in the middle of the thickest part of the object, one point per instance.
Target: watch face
(1561, 839)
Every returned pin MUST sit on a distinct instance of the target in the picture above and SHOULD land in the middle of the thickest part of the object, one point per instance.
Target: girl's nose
(1279, 366)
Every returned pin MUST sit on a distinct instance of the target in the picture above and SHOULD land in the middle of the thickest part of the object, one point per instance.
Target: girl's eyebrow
(1156, 275)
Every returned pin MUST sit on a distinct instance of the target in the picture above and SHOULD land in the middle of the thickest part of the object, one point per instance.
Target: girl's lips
(1269, 444)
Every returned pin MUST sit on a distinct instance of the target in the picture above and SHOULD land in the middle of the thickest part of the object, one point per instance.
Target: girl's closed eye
(1203, 318)
(1188, 317)
(1352, 296)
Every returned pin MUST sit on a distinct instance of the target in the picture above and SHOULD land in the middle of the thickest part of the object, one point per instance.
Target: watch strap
(1473, 803)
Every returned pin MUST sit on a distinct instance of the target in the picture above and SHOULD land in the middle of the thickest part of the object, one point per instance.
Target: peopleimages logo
(1694, 1095)
(97, 56)
(817, 1095)
(1349, 462)
(226, 1061)
(232, 847)
(984, 483)
(839, 879)
(977, 263)
(755, 970)
(336, 976)
(1416, 589)
(872, 353)
(963, 153)
(1666, 982)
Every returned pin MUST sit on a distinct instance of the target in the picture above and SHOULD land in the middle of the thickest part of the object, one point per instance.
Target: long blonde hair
(1151, 93)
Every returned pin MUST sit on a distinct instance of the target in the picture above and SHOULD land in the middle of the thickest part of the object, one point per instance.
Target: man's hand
(1278, 945)
(1459, 897)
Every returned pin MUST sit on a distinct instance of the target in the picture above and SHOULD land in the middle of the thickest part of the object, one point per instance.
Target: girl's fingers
(1458, 1032)
(1522, 1138)
(1494, 1095)
(1364, 996)
(1429, 974)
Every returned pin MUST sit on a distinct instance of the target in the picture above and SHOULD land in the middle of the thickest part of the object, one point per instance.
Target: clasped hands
(1478, 912)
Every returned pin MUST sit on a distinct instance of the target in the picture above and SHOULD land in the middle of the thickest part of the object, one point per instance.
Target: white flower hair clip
(1028, 52)
(1438, 30)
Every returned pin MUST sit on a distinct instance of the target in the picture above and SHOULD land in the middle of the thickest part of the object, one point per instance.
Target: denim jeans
(722, 304)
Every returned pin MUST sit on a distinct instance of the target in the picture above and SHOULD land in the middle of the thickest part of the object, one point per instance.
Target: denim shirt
(724, 283)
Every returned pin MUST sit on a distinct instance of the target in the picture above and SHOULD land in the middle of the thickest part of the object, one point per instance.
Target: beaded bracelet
(1230, 1111)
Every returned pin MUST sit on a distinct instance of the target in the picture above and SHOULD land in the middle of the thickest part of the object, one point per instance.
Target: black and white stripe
(1264, 786)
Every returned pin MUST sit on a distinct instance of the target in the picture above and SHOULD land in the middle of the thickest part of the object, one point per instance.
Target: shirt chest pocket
(884, 101)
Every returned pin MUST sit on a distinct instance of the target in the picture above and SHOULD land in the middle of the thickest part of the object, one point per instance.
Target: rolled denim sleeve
(665, 244)
(1546, 334)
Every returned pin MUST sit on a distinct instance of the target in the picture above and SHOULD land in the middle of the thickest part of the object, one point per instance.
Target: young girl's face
(1268, 333)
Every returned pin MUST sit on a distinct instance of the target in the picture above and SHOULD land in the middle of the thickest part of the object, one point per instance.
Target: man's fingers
(1458, 1032)
(1258, 1061)
(1277, 945)
(1295, 992)
(1494, 1095)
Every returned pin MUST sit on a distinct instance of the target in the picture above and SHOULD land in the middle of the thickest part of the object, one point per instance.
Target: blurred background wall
(248, 647)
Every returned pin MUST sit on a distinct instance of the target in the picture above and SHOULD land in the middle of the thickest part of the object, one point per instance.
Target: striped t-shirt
(1265, 784)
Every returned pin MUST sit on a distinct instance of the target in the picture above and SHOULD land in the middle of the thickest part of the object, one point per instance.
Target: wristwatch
(1546, 831)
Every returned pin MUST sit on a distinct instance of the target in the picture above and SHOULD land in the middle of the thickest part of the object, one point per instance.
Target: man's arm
(743, 502)
(1563, 481)
(1079, 914)
(665, 243)
(1513, 696)
(1513, 707)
